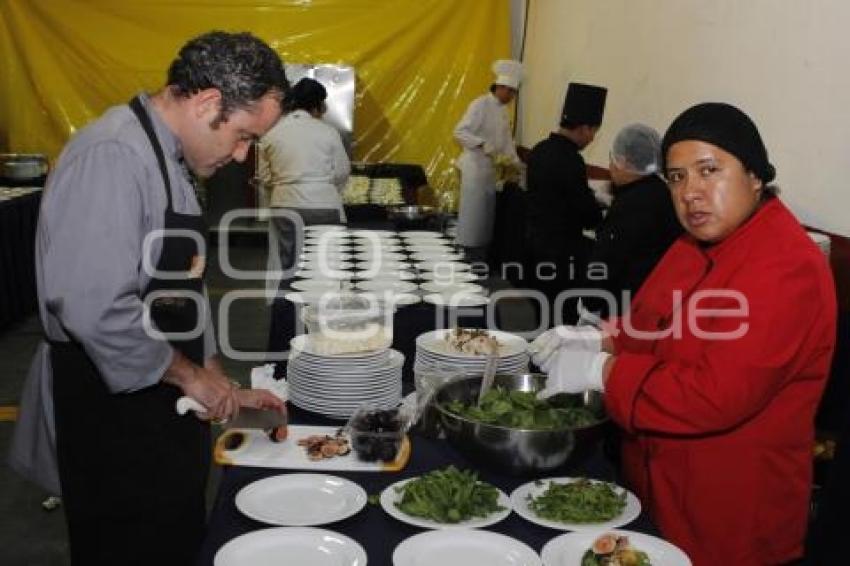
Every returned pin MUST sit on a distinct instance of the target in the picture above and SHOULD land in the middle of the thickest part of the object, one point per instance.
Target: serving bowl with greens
(511, 429)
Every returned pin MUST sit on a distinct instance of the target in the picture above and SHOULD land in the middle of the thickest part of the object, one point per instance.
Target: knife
(248, 417)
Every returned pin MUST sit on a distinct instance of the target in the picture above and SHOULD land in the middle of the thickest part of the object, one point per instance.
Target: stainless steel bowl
(513, 450)
(410, 213)
(23, 166)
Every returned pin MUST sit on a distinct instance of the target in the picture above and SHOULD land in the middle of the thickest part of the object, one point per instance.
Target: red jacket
(719, 433)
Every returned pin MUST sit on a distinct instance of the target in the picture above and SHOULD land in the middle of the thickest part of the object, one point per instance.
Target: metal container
(23, 166)
(410, 213)
(513, 450)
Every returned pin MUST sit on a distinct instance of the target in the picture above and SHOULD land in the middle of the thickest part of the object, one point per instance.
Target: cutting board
(258, 451)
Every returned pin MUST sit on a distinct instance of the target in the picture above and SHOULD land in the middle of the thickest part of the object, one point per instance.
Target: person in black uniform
(120, 261)
(641, 222)
(560, 204)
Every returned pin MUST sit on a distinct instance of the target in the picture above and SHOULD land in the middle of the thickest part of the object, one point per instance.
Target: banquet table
(18, 219)
(372, 527)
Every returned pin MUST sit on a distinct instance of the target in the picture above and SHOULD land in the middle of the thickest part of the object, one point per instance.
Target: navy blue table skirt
(18, 220)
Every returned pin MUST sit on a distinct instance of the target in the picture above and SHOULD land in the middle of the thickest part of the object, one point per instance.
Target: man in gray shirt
(120, 257)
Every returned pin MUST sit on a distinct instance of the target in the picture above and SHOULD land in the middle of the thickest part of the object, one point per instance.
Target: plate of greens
(444, 499)
(575, 504)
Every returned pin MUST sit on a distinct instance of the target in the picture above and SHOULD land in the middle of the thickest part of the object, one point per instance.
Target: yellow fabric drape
(419, 62)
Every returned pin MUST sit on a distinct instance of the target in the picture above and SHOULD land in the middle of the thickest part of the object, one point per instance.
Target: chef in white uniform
(485, 134)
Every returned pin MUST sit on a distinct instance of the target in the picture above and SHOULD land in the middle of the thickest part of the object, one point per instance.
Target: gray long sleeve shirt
(105, 195)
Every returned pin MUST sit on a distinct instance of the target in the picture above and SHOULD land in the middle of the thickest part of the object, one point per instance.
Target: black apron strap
(142, 114)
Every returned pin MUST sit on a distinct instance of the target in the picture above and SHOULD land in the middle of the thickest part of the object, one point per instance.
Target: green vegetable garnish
(522, 409)
(582, 501)
(448, 496)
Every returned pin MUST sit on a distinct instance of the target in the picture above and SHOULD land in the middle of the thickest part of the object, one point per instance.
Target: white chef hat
(508, 73)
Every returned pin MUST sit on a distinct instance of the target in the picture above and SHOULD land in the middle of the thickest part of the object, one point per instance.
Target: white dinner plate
(301, 500)
(454, 277)
(420, 234)
(324, 228)
(456, 299)
(463, 547)
(386, 285)
(310, 274)
(293, 545)
(384, 274)
(393, 298)
(519, 501)
(389, 497)
(444, 267)
(320, 285)
(434, 342)
(567, 549)
(329, 266)
(451, 287)
(384, 255)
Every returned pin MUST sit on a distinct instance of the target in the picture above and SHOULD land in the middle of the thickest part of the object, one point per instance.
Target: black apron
(133, 472)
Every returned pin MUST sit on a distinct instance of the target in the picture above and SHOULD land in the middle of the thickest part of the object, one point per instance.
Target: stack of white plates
(433, 350)
(336, 385)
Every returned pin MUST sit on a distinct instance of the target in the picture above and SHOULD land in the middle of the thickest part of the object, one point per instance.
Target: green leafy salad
(522, 409)
(581, 501)
(448, 496)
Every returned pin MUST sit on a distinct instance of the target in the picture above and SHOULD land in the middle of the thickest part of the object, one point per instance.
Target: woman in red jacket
(716, 370)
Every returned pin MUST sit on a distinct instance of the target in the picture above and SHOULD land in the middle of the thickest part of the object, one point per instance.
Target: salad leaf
(448, 496)
(521, 409)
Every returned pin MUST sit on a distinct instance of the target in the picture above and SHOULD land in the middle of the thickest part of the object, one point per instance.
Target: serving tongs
(489, 370)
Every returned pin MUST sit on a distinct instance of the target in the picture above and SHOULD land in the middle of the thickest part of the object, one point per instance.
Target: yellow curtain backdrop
(419, 62)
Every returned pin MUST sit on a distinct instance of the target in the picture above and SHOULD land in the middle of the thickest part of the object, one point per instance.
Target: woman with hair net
(716, 372)
(641, 223)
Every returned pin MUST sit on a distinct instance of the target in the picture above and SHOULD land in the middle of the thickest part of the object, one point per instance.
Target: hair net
(637, 149)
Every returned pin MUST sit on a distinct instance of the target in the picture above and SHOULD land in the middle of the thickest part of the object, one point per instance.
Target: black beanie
(726, 127)
(307, 94)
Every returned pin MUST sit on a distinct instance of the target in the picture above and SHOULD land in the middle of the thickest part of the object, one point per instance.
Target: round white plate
(384, 255)
(434, 342)
(310, 274)
(367, 232)
(456, 299)
(302, 345)
(519, 502)
(386, 285)
(328, 267)
(295, 545)
(452, 287)
(324, 228)
(446, 268)
(384, 274)
(567, 549)
(320, 285)
(455, 277)
(463, 547)
(417, 234)
(301, 500)
(433, 257)
(392, 298)
(389, 497)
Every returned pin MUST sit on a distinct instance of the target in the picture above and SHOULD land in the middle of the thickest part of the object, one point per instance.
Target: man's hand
(260, 399)
(208, 385)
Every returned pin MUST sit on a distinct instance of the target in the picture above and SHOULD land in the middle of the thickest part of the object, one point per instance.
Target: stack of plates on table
(335, 385)
(823, 242)
(433, 350)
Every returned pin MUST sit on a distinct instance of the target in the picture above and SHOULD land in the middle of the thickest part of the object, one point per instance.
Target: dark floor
(31, 536)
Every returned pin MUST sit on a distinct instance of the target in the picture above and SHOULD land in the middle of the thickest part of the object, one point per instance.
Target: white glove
(574, 371)
(582, 338)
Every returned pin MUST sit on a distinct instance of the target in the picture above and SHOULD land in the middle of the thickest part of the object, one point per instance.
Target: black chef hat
(728, 128)
(584, 104)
